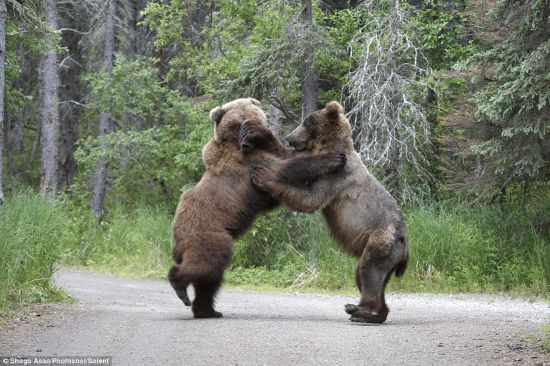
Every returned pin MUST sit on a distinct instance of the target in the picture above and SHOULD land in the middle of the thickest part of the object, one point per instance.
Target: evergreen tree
(516, 100)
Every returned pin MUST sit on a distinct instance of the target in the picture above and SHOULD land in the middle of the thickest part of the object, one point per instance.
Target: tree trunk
(3, 16)
(100, 181)
(36, 143)
(67, 145)
(392, 168)
(50, 108)
(71, 90)
(309, 86)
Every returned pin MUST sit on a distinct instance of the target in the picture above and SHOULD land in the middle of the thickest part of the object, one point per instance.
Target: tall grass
(137, 244)
(290, 250)
(31, 229)
(478, 248)
(455, 248)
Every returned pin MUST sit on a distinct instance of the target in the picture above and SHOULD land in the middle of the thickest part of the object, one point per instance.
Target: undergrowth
(31, 235)
(455, 248)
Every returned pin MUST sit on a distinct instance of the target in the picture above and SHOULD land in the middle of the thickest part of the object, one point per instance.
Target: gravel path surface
(143, 323)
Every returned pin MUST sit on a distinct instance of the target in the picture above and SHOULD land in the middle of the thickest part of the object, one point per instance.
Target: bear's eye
(312, 126)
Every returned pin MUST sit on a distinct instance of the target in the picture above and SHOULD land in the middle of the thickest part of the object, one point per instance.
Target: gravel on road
(142, 322)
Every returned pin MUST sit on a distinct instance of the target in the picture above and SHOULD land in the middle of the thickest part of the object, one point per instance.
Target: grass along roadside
(454, 249)
(31, 234)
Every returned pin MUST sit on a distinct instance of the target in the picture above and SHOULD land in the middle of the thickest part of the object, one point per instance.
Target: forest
(104, 112)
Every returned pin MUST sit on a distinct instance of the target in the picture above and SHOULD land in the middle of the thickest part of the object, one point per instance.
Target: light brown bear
(362, 215)
(224, 203)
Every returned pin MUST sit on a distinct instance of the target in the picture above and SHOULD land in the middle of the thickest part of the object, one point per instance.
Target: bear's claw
(335, 162)
(341, 161)
(257, 175)
(246, 136)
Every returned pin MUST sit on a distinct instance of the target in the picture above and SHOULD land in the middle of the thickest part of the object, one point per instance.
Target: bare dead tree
(3, 16)
(100, 178)
(49, 78)
(392, 129)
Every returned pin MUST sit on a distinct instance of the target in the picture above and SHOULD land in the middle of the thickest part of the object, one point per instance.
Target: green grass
(477, 249)
(31, 230)
(136, 244)
(455, 248)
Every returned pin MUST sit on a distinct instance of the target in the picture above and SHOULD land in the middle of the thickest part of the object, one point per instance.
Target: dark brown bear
(224, 203)
(362, 215)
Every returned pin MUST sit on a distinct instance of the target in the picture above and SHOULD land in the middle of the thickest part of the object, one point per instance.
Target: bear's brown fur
(363, 217)
(224, 203)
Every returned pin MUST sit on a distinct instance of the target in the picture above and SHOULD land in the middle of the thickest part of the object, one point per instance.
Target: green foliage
(454, 248)
(242, 49)
(517, 101)
(333, 62)
(147, 165)
(271, 69)
(23, 40)
(480, 248)
(297, 248)
(209, 53)
(442, 34)
(136, 244)
(134, 96)
(32, 231)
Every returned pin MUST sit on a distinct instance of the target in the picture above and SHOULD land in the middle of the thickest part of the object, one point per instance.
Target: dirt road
(143, 323)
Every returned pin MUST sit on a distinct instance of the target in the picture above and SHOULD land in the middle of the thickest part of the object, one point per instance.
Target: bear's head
(325, 129)
(229, 117)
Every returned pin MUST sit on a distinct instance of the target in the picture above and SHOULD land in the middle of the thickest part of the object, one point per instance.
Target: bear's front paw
(260, 176)
(337, 161)
(246, 137)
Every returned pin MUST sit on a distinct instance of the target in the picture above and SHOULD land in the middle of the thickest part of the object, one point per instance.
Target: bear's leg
(205, 292)
(177, 279)
(375, 267)
(372, 306)
(209, 261)
(358, 276)
(302, 171)
(186, 272)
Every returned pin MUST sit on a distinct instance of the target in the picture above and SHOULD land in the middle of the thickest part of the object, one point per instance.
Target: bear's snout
(247, 147)
(292, 141)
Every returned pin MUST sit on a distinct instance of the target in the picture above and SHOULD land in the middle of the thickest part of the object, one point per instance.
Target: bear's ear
(334, 108)
(216, 114)
(256, 102)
